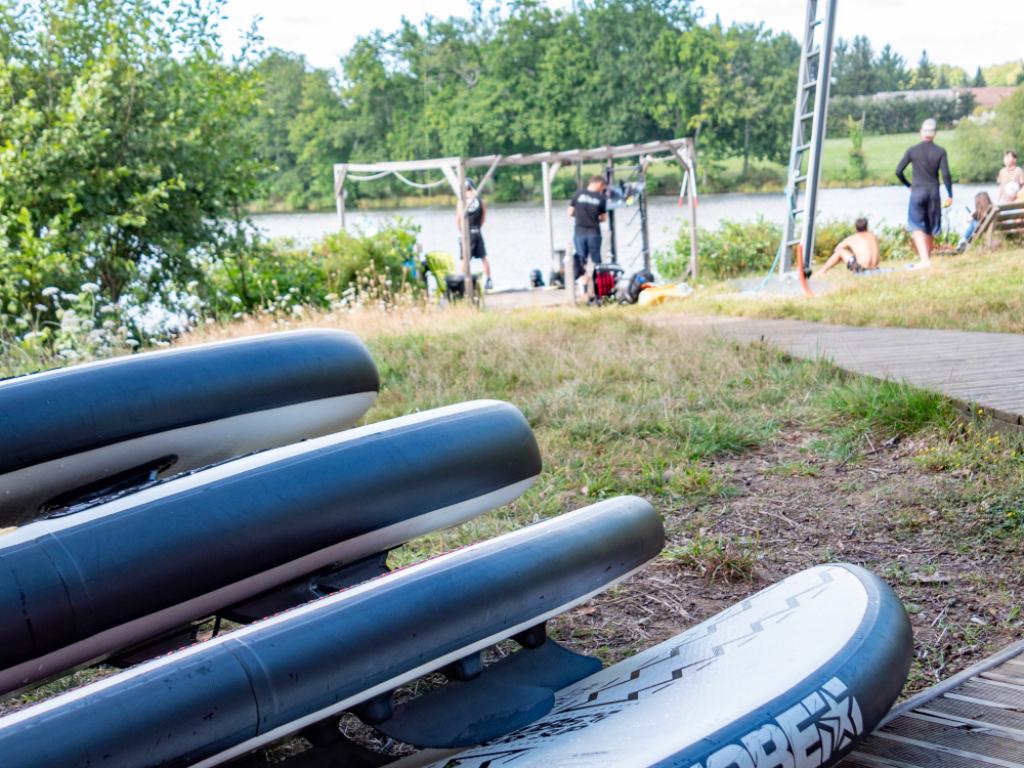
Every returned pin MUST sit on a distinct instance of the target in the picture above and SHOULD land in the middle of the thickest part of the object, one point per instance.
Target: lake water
(516, 236)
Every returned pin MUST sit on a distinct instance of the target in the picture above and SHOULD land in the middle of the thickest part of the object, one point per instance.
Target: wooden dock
(983, 369)
(974, 719)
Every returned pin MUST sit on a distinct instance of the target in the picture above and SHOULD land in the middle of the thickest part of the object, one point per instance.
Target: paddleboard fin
(506, 695)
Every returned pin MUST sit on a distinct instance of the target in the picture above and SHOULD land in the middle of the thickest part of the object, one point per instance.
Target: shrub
(280, 277)
(858, 163)
(734, 248)
(897, 114)
(738, 247)
(981, 143)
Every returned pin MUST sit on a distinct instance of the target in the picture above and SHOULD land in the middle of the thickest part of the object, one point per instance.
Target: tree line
(858, 70)
(525, 77)
(131, 148)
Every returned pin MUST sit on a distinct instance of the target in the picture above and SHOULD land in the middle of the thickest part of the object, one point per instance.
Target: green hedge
(898, 114)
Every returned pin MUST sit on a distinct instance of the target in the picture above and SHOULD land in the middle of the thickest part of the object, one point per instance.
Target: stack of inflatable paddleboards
(151, 495)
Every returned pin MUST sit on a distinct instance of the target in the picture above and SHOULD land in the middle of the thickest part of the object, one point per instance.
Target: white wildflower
(90, 287)
(50, 290)
(133, 343)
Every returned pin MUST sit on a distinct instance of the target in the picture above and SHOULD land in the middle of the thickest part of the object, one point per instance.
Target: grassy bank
(753, 480)
(975, 292)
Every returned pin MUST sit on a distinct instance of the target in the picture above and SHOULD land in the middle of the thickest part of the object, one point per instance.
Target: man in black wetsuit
(924, 216)
(476, 212)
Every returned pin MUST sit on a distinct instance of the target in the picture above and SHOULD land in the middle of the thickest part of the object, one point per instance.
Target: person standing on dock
(475, 212)
(589, 207)
(924, 216)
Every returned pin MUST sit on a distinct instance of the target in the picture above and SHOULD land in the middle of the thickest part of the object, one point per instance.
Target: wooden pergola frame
(454, 170)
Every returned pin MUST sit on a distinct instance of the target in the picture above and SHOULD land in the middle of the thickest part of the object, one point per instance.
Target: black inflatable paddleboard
(77, 588)
(792, 677)
(78, 432)
(209, 703)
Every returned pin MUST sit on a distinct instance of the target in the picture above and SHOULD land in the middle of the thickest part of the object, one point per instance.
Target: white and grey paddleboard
(79, 433)
(792, 677)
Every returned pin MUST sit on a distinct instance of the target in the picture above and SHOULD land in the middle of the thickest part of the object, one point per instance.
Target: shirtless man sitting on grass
(860, 251)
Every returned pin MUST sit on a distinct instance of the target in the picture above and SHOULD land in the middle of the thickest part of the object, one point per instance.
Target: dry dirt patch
(786, 509)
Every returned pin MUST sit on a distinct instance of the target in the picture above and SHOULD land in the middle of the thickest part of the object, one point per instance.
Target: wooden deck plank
(986, 369)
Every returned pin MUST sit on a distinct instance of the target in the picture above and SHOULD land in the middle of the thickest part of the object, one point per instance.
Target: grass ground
(759, 465)
(881, 154)
(979, 291)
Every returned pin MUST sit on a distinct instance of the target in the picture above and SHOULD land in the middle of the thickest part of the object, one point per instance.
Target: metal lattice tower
(809, 122)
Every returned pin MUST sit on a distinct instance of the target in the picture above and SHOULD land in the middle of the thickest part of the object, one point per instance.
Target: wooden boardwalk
(973, 719)
(986, 369)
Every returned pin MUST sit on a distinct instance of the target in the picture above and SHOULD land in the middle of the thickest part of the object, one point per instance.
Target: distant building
(987, 98)
(991, 96)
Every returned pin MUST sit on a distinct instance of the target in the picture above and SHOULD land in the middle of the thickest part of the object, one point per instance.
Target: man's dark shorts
(477, 249)
(587, 246)
(925, 211)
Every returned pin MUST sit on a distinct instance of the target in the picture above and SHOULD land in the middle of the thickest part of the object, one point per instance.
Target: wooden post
(340, 172)
(464, 231)
(545, 181)
(693, 221)
(687, 157)
(548, 171)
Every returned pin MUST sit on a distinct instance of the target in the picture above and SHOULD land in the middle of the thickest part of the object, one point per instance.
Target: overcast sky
(968, 34)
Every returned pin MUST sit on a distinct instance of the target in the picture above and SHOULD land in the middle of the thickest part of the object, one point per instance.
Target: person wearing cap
(924, 216)
(475, 212)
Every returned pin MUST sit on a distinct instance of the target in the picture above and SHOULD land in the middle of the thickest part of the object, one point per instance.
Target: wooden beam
(340, 172)
(438, 163)
(686, 156)
(486, 178)
(453, 179)
(548, 171)
(486, 161)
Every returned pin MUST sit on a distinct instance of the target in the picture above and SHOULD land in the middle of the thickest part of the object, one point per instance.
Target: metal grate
(976, 721)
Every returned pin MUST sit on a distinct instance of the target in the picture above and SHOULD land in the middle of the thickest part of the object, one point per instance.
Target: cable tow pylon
(809, 123)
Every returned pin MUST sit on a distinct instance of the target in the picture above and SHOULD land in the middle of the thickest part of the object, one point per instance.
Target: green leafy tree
(981, 145)
(125, 160)
(891, 71)
(749, 97)
(924, 77)
(979, 79)
(856, 68)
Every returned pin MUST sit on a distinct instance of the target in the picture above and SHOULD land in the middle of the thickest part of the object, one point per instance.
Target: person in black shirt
(476, 212)
(589, 208)
(924, 216)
